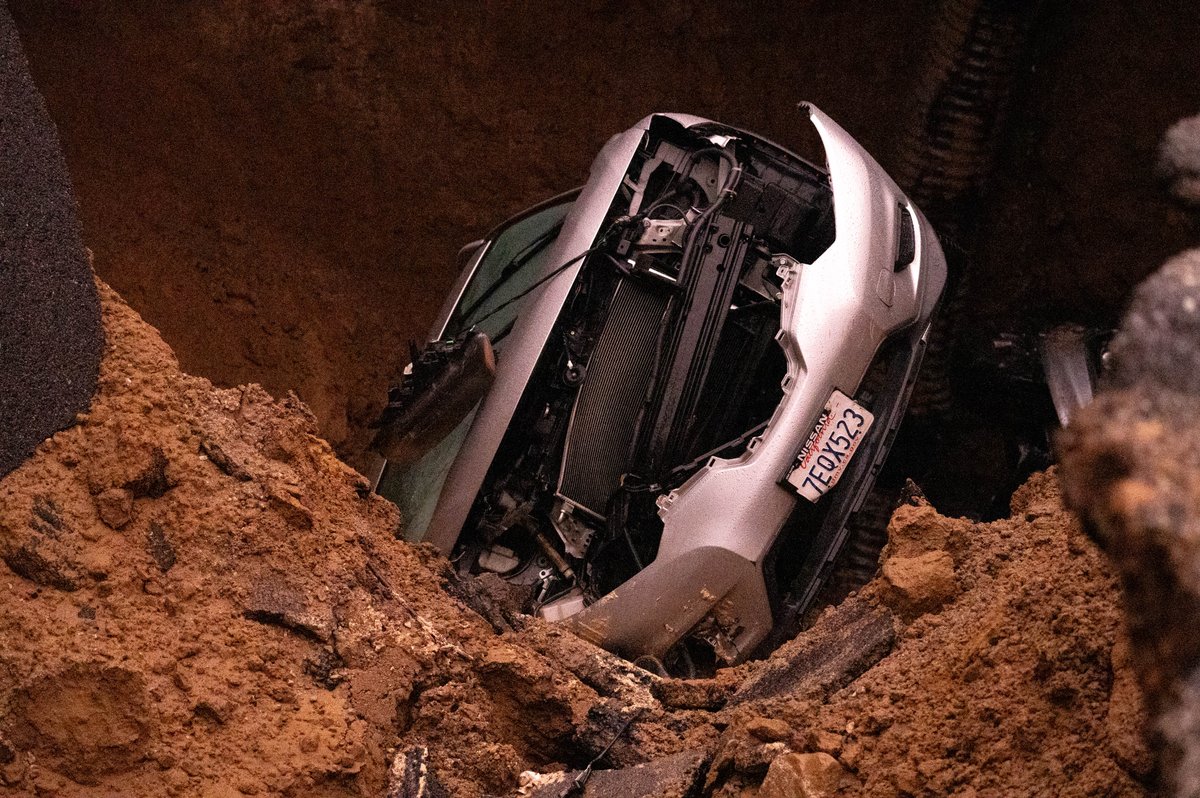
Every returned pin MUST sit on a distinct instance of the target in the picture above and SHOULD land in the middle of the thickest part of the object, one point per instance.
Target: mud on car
(653, 403)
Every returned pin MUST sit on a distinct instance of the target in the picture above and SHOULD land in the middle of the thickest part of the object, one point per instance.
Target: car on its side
(653, 403)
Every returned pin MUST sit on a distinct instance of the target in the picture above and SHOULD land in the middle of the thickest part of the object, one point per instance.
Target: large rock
(802, 776)
(920, 584)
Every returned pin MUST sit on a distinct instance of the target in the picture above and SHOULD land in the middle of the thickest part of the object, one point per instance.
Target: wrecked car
(653, 403)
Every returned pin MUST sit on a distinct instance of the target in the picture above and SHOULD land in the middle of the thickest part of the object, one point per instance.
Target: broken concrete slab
(272, 601)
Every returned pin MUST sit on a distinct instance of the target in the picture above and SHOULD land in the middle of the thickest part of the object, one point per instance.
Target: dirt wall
(281, 187)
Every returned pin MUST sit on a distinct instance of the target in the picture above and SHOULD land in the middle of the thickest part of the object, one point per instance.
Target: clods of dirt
(201, 599)
(176, 620)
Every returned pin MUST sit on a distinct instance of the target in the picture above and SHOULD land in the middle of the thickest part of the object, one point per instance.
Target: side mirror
(448, 379)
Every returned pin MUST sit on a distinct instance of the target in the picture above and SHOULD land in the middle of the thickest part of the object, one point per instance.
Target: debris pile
(1007, 674)
(201, 599)
(198, 595)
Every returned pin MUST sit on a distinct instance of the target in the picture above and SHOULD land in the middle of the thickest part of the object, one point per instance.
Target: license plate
(842, 427)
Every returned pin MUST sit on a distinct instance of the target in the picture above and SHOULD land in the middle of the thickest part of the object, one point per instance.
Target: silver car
(652, 403)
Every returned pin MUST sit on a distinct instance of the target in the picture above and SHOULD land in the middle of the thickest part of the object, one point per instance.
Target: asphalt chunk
(50, 335)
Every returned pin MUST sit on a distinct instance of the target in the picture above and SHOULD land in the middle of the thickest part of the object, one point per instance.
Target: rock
(46, 516)
(285, 499)
(1129, 468)
(754, 758)
(495, 600)
(1156, 345)
(275, 602)
(802, 776)
(1179, 159)
(152, 481)
(915, 528)
(920, 584)
(161, 550)
(36, 544)
(769, 730)
(115, 507)
(707, 694)
(827, 741)
(222, 460)
(741, 750)
(214, 709)
(325, 669)
(30, 562)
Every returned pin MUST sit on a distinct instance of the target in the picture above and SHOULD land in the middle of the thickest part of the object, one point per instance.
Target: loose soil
(201, 599)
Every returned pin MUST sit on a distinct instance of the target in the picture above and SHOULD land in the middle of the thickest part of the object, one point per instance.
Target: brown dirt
(202, 600)
(247, 624)
(1019, 685)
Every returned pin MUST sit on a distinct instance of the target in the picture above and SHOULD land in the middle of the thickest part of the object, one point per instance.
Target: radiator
(602, 423)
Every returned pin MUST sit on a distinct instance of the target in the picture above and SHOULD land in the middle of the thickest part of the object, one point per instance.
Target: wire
(537, 606)
(540, 282)
(682, 213)
(619, 222)
(727, 191)
(579, 783)
(515, 264)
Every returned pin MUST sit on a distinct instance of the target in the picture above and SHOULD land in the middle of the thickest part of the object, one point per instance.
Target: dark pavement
(50, 334)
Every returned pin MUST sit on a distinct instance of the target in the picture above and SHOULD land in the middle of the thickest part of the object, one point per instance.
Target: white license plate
(842, 427)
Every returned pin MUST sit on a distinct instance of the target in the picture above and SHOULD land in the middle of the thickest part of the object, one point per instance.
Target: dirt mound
(1008, 672)
(201, 599)
(200, 596)
(1130, 468)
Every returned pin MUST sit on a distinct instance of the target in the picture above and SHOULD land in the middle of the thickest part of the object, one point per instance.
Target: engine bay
(664, 357)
